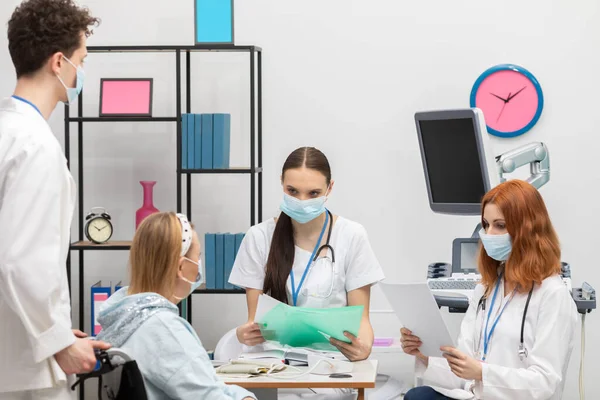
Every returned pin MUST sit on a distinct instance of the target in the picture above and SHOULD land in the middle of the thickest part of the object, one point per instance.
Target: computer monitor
(464, 255)
(457, 159)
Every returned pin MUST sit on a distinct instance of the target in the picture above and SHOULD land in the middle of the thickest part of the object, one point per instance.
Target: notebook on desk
(462, 276)
(284, 356)
(288, 355)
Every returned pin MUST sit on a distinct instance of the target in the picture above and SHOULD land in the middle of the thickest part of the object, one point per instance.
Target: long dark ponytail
(282, 252)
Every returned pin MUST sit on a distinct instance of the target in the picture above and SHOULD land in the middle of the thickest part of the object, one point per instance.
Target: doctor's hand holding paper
(308, 257)
(461, 364)
(518, 333)
(356, 350)
(250, 334)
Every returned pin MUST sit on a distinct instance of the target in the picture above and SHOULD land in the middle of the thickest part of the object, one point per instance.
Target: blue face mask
(199, 279)
(497, 247)
(72, 93)
(303, 211)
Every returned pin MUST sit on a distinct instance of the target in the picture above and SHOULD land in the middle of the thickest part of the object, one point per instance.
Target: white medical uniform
(356, 265)
(549, 337)
(37, 197)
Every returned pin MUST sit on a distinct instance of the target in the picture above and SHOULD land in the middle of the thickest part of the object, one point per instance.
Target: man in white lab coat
(38, 348)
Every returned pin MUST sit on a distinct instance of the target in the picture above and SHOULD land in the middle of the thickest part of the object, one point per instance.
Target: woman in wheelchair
(143, 319)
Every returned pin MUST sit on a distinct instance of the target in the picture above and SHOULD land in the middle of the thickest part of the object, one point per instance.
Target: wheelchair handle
(119, 353)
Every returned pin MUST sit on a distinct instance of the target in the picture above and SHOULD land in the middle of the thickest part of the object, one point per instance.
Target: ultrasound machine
(460, 168)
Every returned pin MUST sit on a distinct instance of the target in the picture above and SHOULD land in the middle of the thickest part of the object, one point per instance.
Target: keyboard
(452, 285)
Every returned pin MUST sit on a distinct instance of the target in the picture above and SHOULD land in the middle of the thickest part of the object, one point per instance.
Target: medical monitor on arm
(457, 160)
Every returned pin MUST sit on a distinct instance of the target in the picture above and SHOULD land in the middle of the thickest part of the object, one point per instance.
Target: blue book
(229, 258)
(118, 286)
(210, 262)
(197, 141)
(207, 141)
(191, 145)
(238, 242)
(227, 140)
(184, 139)
(220, 258)
(221, 140)
(99, 295)
(213, 21)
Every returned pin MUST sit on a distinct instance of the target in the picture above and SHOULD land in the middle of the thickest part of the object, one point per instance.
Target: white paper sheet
(418, 311)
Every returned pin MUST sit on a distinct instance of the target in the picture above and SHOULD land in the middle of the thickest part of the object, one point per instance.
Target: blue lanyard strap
(488, 336)
(27, 102)
(295, 292)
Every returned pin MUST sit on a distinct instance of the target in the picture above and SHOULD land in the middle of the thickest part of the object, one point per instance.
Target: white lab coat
(356, 265)
(37, 197)
(549, 337)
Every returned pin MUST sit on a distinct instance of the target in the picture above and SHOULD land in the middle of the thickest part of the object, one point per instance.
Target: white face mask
(72, 93)
(304, 211)
(497, 247)
(193, 285)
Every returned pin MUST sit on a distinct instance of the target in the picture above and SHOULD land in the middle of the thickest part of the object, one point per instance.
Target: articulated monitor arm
(534, 154)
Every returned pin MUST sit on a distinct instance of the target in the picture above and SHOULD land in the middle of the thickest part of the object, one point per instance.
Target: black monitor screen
(468, 256)
(452, 159)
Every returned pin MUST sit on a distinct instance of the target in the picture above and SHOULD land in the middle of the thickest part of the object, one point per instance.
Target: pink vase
(148, 206)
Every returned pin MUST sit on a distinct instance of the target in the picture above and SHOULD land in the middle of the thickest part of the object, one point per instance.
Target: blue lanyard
(28, 102)
(488, 336)
(295, 292)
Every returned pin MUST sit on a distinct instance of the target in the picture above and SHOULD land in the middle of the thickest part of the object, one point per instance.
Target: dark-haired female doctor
(276, 256)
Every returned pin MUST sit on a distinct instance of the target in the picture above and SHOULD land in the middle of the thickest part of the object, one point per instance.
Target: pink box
(122, 97)
(383, 342)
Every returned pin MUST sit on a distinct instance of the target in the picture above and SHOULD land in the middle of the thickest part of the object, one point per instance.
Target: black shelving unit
(254, 171)
(256, 167)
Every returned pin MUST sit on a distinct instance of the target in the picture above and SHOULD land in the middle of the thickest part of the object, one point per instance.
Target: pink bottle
(148, 206)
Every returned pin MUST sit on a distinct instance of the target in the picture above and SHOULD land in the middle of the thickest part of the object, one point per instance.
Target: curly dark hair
(38, 29)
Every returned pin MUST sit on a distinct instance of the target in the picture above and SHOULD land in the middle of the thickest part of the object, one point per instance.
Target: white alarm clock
(98, 228)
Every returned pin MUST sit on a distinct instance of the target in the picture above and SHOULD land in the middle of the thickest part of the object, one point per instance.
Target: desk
(363, 377)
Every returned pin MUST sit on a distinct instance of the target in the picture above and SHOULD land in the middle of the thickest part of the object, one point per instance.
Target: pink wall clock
(511, 99)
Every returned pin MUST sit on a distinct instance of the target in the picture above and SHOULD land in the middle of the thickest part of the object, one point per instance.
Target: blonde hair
(155, 253)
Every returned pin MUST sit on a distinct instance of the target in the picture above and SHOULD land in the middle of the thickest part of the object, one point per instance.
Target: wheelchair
(119, 377)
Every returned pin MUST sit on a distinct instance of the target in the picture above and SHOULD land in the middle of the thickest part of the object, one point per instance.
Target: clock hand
(501, 111)
(97, 228)
(510, 97)
(495, 95)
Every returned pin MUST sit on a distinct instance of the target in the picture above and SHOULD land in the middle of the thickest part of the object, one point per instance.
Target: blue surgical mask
(303, 211)
(497, 247)
(72, 93)
(196, 284)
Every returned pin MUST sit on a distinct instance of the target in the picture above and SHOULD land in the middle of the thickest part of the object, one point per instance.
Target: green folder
(309, 327)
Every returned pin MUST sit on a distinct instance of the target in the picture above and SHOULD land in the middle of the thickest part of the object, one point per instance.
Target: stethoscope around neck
(313, 259)
(522, 350)
(326, 246)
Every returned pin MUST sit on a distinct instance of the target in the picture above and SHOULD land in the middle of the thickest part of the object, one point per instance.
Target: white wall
(347, 77)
